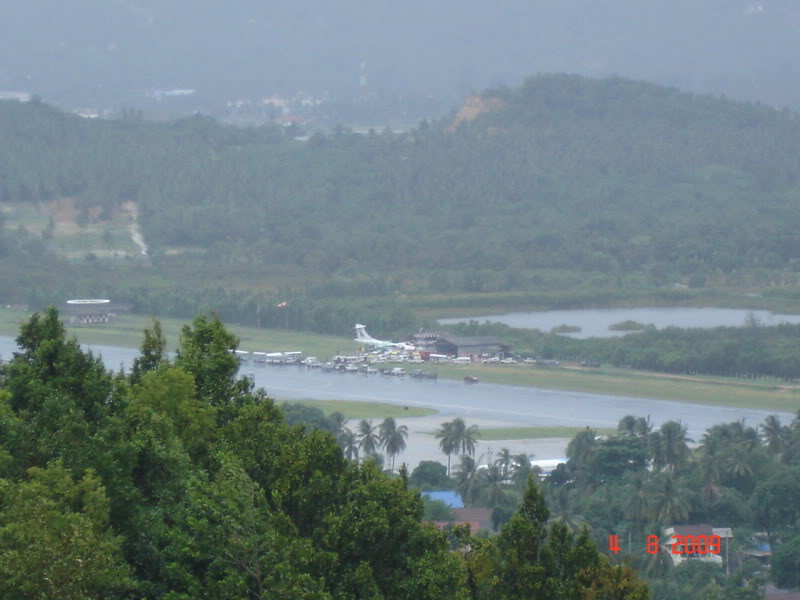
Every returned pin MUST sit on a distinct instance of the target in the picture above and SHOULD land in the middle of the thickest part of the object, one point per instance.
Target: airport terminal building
(453, 345)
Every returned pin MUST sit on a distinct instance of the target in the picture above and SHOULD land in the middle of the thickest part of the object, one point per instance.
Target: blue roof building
(452, 499)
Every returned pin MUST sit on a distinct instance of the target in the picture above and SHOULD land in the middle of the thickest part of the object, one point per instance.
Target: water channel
(595, 322)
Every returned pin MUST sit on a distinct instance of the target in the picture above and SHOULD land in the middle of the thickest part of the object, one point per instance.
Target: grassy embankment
(534, 433)
(363, 410)
(126, 331)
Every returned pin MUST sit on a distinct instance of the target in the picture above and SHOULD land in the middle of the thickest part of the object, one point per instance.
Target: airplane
(362, 337)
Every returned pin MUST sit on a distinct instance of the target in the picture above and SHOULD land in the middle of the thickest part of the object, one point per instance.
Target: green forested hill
(566, 180)
(565, 172)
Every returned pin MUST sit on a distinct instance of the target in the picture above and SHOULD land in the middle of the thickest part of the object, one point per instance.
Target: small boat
(470, 379)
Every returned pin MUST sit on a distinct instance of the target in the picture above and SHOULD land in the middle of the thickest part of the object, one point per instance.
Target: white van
(463, 360)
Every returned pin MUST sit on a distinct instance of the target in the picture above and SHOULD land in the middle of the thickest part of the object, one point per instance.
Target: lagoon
(595, 322)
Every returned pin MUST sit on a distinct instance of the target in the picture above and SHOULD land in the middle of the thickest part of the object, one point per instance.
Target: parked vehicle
(398, 371)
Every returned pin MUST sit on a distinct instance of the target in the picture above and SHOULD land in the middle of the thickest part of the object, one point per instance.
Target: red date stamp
(681, 544)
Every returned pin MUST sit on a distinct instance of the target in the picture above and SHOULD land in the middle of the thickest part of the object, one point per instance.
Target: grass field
(623, 382)
(534, 433)
(126, 331)
(362, 410)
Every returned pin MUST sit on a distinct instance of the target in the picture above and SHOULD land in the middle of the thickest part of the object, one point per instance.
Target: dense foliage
(181, 482)
(642, 481)
(750, 351)
(609, 176)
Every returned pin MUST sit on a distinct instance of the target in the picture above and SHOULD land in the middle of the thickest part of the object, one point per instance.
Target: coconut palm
(467, 479)
(521, 470)
(737, 462)
(775, 435)
(674, 449)
(504, 460)
(493, 485)
(562, 510)
(349, 444)
(447, 442)
(710, 469)
(465, 438)
(338, 423)
(368, 437)
(668, 500)
(635, 507)
(393, 438)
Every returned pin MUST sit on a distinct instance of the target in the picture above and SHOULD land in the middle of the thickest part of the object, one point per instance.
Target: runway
(520, 406)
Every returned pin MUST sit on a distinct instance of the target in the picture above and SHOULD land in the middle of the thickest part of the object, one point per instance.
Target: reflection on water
(595, 322)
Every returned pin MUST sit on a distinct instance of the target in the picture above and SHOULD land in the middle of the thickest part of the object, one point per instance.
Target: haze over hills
(113, 53)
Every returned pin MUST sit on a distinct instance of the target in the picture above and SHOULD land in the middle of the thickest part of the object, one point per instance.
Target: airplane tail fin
(362, 335)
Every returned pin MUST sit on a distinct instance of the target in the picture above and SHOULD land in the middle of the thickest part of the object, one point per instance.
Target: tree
(775, 435)
(669, 504)
(563, 510)
(393, 438)
(785, 564)
(430, 475)
(504, 460)
(447, 443)
(673, 451)
(770, 501)
(467, 479)
(635, 506)
(493, 486)
(368, 438)
(521, 467)
(207, 351)
(464, 438)
(152, 353)
(171, 392)
(349, 444)
(247, 550)
(580, 448)
(56, 541)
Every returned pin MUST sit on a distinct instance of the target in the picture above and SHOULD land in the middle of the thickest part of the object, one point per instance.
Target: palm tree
(635, 505)
(493, 485)
(504, 460)
(447, 442)
(465, 438)
(338, 424)
(737, 462)
(368, 438)
(561, 510)
(521, 468)
(393, 438)
(467, 478)
(775, 435)
(674, 449)
(349, 444)
(668, 500)
(710, 468)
